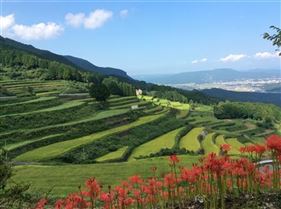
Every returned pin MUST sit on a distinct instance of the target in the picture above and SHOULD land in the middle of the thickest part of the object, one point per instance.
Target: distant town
(272, 85)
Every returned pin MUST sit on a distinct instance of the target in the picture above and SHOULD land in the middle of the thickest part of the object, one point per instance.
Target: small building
(138, 92)
(134, 107)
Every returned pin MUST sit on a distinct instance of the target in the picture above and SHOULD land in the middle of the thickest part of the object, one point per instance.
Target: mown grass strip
(220, 140)
(57, 149)
(155, 145)
(166, 103)
(113, 155)
(39, 99)
(190, 141)
(66, 105)
(19, 144)
(208, 144)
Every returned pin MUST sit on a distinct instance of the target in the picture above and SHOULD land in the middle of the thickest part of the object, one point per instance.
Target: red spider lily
(135, 179)
(216, 164)
(107, 199)
(76, 201)
(93, 188)
(170, 180)
(41, 204)
(273, 142)
(59, 204)
(174, 159)
(225, 147)
(190, 175)
(257, 149)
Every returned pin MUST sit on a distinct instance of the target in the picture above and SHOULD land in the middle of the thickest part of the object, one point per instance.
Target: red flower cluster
(213, 178)
(225, 147)
(273, 143)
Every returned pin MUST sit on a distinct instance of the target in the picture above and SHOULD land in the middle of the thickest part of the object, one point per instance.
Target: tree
(112, 85)
(99, 91)
(274, 38)
(5, 169)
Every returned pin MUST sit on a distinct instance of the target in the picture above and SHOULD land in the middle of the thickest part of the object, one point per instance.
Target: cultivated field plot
(113, 155)
(155, 145)
(208, 144)
(190, 141)
(166, 103)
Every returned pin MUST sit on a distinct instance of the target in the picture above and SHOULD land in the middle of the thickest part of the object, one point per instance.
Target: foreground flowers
(211, 181)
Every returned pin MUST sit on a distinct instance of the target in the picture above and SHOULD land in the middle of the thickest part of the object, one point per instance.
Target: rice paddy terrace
(57, 140)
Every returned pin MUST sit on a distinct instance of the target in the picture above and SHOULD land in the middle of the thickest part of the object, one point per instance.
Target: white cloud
(266, 55)
(10, 28)
(97, 18)
(94, 20)
(124, 13)
(199, 61)
(75, 20)
(37, 31)
(233, 57)
(7, 21)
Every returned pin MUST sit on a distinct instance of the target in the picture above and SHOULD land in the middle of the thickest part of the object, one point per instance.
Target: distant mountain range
(273, 98)
(68, 60)
(210, 76)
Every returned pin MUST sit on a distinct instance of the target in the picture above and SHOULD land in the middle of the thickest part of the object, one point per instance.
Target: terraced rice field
(208, 144)
(155, 145)
(57, 149)
(41, 128)
(113, 155)
(235, 145)
(220, 140)
(190, 141)
(166, 103)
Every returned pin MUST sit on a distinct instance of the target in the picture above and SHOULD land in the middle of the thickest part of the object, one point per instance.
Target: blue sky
(149, 38)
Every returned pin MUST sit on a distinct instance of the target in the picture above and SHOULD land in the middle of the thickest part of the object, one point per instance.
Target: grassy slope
(166, 103)
(55, 150)
(190, 141)
(113, 155)
(220, 140)
(235, 145)
(46, 177)
(165, 141)
(91, 117)
(19, 144)
(66, 105)
(208, 144)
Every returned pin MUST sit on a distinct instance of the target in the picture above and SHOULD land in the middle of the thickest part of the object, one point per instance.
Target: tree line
(257, 111)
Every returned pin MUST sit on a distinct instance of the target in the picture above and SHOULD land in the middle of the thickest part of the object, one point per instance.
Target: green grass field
(62, 179)
(155, 145)
(190, 140)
